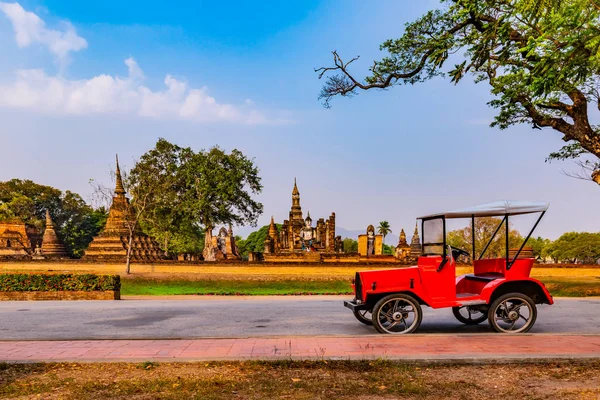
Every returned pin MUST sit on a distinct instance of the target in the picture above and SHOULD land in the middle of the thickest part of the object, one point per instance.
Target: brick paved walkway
(411, 347)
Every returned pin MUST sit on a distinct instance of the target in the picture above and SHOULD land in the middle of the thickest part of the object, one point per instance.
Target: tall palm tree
(384, 229)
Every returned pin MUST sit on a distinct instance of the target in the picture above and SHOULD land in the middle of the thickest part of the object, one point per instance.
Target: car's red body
(499, 289)
(439, 289)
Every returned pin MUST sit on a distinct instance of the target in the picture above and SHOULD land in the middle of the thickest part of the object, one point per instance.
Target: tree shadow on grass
(11, 373)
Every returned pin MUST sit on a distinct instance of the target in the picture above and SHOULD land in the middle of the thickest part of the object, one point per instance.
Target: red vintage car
(500, 289)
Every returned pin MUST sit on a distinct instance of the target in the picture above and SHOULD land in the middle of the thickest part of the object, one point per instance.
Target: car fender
(498, 287)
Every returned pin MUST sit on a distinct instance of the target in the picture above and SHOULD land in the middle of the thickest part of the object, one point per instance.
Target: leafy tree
(219, 188)
(165, 216)
(388, 249)
(76, 223)
(350, 245)
(573, 247)
(384, 229)
(538, 56)
(484, 229)
(539, 246)
(255, 242)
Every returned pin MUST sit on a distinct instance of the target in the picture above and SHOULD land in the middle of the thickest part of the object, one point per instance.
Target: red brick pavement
(410, 347)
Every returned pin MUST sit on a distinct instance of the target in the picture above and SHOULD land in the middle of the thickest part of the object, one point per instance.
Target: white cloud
(29, 29)
(34, 90)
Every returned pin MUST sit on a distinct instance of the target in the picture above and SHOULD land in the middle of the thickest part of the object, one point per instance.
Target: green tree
(539, 246)
(575, 247)
(484, 229)
(165, 217)
(350, 245)
(255, 242)
(542, 67)
(75, 221)
(219, 188)
(384, 229)
(388, 249)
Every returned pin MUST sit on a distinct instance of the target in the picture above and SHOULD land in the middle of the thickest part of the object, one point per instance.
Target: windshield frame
(443, 243)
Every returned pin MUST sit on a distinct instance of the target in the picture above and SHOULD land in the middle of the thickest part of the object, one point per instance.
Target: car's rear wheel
(512, 313)
(397, 314)
(468, 315)
(364, 316)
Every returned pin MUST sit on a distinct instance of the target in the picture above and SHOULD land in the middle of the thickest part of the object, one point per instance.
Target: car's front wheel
(397, 314)
(364, 316)
(512, 313)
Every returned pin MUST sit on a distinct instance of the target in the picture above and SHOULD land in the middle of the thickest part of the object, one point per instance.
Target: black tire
(470, 319)
(387, 315)
(364, 316)
(502, 317)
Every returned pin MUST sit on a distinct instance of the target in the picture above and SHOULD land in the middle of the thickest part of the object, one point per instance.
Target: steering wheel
(456, 252)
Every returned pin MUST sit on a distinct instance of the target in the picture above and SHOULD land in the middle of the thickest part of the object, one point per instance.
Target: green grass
(558, 286)
(572, 287)
(155, 287)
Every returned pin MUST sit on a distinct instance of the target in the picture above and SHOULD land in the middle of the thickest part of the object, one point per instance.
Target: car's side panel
(375, 283)
(492, 289)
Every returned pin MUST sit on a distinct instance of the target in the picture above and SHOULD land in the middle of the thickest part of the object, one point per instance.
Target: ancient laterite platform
(425, 348)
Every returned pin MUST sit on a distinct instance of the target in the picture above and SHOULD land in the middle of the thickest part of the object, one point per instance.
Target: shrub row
(58, 282)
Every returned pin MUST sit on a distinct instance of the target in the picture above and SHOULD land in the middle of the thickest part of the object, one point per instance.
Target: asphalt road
(243, 317)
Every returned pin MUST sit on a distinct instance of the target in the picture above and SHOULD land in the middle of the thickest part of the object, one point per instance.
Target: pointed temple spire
(295, 191)
(402, 240)
(119, 189)
(48, 219)
(415, 243)
(51, 244)
(273, 228)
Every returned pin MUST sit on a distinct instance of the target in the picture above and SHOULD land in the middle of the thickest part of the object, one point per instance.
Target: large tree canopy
(165, 216)
(193, 192)
(541, 58)
(76, 222)
(575, 247)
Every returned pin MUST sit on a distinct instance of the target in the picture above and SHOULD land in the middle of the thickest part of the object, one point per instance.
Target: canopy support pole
(492, 238)
(473, 237)
(526, 239)
(507, 245)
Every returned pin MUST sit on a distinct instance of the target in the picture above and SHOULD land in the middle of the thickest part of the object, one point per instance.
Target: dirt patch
(299, 380)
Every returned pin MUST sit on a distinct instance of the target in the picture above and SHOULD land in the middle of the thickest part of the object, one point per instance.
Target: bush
(58, 282)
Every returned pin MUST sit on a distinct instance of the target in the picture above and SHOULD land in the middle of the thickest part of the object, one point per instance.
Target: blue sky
(81, 81)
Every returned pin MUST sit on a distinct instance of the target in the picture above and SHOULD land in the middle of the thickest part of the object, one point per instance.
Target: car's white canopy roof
(495, 209)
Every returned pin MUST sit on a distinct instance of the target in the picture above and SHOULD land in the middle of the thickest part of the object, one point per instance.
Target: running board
(471, 303)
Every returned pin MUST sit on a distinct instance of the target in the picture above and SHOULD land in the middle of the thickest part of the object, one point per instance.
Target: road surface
(236, 317)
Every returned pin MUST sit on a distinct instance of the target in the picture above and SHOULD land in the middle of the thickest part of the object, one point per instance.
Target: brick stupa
(111, 243)
(51, 244)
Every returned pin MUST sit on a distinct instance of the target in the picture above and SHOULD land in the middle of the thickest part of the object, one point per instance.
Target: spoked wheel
(364, 316)
(512, 313)
(468, 315)
(397, 314)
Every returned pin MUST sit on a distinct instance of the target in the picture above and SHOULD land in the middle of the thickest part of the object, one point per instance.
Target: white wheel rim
(398, 315)
(513, 315)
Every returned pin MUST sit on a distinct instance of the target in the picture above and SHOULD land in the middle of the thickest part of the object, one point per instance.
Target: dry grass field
(299, 380)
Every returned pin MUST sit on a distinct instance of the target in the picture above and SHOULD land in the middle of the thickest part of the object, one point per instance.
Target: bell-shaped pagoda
(111, 244)
(51, 244)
